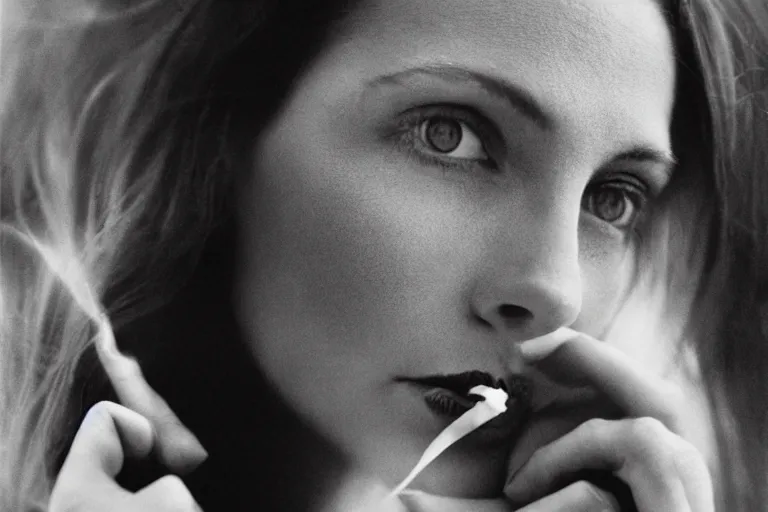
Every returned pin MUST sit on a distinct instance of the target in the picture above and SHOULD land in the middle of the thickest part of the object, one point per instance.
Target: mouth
(448, 396)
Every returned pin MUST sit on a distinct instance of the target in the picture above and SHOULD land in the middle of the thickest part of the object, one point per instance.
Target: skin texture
(361, 260)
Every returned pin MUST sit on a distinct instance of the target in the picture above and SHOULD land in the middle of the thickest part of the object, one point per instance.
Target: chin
(462, 471)
(464, 477)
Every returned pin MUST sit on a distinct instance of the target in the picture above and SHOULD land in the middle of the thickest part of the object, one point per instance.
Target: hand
(578, 497)
(644, 449)
(176, 446)
(86, 482)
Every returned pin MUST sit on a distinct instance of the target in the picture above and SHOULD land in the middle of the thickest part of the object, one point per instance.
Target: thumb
(108, 432)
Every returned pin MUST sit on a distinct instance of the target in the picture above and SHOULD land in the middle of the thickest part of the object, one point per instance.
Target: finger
(417, 501)
(168, 494)
(638, 392)
(642, 452)
(108, 432)
(580, 496)
(176, 446)
(554, 422)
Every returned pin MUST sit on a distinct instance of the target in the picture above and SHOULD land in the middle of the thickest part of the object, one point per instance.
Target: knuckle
(649, 431)
(96, 423)
(100, 418)
(652, 445)
(595, 428)
(101, 410)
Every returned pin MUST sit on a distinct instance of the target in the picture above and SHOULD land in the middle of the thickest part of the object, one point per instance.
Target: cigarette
(482, 412)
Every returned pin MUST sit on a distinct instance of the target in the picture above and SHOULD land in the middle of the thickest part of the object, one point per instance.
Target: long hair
(731, 41)
(119, 148)
(123, 128)
(704, 262)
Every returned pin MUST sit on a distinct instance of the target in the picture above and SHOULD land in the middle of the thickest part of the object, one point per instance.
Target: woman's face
(446, 180)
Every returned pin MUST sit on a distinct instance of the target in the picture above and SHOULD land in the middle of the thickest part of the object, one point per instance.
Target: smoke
(69, 198)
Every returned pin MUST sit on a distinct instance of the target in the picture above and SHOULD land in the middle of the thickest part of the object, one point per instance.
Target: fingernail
(180, 450)
(191, 443)
(196, 454)
(190, 453)
(536, 349)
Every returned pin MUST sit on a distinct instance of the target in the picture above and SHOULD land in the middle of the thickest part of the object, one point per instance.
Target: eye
(452, 138)
(619, 203)
(448, 137)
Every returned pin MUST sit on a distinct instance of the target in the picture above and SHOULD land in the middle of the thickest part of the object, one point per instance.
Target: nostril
(512, 311)
(514, 316)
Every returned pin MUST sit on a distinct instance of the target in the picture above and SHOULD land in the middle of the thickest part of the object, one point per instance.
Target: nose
(532, 282)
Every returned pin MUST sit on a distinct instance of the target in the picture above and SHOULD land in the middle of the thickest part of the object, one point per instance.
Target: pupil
(443, 135)
(610, 204)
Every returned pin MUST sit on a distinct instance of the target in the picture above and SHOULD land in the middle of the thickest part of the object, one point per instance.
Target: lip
(447, 398)
(461, 383)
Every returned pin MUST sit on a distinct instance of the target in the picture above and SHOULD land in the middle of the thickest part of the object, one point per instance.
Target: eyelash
(408, 137)
(633, 191)
(408, 134)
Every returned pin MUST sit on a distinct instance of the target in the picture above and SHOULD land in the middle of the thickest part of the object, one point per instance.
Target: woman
(298, 218)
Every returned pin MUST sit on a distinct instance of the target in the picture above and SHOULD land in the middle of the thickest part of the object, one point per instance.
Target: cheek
(315, 267)
(320, 283)
(347, 267)
(607, 267)
(351, 272)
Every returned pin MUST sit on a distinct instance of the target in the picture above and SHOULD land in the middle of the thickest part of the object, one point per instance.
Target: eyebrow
(644, 154)
(515, 96)
(520, 100)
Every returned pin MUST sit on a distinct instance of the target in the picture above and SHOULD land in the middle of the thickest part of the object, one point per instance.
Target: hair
(123, 129)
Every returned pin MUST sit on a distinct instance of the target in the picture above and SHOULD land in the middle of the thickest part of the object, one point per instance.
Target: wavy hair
(123, 127)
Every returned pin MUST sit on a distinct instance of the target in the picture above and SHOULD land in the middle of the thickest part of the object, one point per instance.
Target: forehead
(562, 29)
(578, 56)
